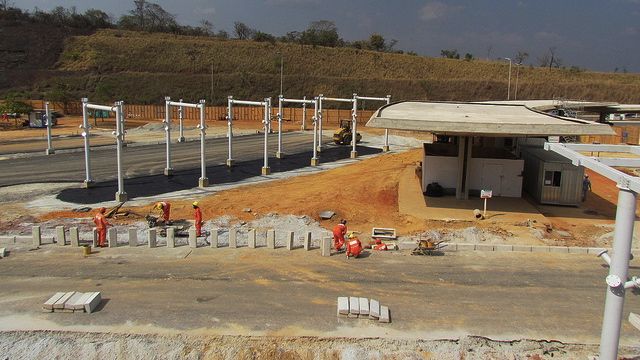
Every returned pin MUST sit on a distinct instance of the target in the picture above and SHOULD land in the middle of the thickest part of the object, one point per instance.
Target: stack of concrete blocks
(72, 302)
(363, 308)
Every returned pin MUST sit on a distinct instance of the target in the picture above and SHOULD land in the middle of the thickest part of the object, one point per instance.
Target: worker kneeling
(165, 207)
(380, 246)
(354, 246)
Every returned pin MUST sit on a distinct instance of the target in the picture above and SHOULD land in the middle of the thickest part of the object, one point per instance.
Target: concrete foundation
(49, 151)
(133, 237)
(203, 182)
(87, 184)
(193, 239)
(168, 171)
(74, 236)
(279, 155)
(230, 162)
(36, 236)
(307, 241)
(326, 246)
(214, 237)
(385, 148)
(151, 234)
(251, 239)
(171, 237)
(290, 238)
(315, 161)
(266, 170)
(271, 239)
(112, 237)
(354, 154)
(121, 196)
(233, 238)
(60, 236)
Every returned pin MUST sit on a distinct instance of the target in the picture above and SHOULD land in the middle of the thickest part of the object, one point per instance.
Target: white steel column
(88, 182)
(167, 128)
(267, 115)
(122, 124)
(121, 195)
(354, 127)
(304, 114)
(386, 131)
(314, 159)
(614, 302)
(230, 129)
(181, 119)
(279, 152)
(49, 149)
(320, 116)
(203, 181)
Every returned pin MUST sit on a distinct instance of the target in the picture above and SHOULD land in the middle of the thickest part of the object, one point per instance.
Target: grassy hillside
(143, 68)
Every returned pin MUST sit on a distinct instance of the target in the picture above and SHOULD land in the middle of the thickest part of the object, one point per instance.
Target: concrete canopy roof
(474, 119)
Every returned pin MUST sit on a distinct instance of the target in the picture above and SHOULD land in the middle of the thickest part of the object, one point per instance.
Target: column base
(229, 162)
(168, 171)
(266, 170)
(87, 184)
(203, 182)
(279, 155)
(319, 149)
(121, 197)
(49, 151)
(315, 161)
(354, 154)
(385, 148)
(181, 139)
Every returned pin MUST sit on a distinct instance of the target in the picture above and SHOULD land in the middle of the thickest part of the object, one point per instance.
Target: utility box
(38, 119)
(551, 178)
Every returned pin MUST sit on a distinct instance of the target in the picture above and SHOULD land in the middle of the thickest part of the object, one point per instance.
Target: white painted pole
(122, 124)
(354, 127)
(203, 181)
(320, 123)
(618, 272)
(50, 149)
(484, 214)
(181, 118)
(88, 182)
(230, 129)
(120, 195)
(386, 131)
(314, 159)
(304, 114)
(267, 116)
(279, 152)
(167, 128)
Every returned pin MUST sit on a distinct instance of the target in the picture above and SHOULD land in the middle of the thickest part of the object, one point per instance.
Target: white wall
(511, 177)
(440, 169)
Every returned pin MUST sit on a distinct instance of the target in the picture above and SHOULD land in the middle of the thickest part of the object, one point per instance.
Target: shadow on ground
(187, 179)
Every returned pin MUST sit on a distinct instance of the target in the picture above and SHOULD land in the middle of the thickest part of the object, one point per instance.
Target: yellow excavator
(342, 136)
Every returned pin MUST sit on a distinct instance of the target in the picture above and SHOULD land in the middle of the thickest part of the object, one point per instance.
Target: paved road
(280, 292)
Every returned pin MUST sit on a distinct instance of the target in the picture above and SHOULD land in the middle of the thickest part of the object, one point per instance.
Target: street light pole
(281, 71)
(509, 86)
(515, 95)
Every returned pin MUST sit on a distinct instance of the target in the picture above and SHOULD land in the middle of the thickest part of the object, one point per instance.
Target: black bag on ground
(434, 190)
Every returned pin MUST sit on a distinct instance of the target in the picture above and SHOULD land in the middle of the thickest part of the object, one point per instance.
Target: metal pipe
(386, 131)
(267, 115)
(203, 181)
(122, 123)
(120, 195)
(50, 149)
(184, 104)
(279, 152)
(338, 99)
(297, 101)
(230, 129)
(314, 159)
(304, 113)
(605, 256)
(86, 134)
(354, 127)
(320, 123)
(100, 107)
(245, 102)
(167, 128)
(181, 119)
(614, 302)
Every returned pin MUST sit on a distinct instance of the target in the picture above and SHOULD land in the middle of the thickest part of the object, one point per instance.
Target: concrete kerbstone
(171, 237)
(465, 247)
(543, 248)
(152, 235)
(503, 247)
(7, 240)
(60, 236)
(74, 236)
(578, 250)
(326, 246)
(522, 248)
(595, 251)
(193, 239)
(374, 309)
(251, 240)
(133, 237)
(36, 235)
(307, 241)
(364, 306)
(233, 238)
(290, 239)
(354, 305)
(343, 305)
(384, 315)
(484, 247)
(112, 237)
(559, 249)
(271, 239)
(214, 237)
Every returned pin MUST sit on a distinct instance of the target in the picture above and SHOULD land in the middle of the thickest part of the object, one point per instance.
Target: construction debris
(383, 233)
(326, 214)
(72, 302)
(363, 308)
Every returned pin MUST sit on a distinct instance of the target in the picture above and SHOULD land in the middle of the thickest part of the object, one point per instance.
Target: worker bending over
(380, 246)
(354, 246)
(165, 206)
(339, 231)
(198, 218)
(101, 225)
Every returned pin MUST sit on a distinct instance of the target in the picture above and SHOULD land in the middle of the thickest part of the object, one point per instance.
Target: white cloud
(436, 10)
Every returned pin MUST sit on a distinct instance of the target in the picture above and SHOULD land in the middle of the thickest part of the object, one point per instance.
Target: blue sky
(596, 34)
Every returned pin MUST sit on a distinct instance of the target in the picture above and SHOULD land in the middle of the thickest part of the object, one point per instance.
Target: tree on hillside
(377, 42)
(468, 57)
(138, 12)
(206, 27)
(5, 4)
(450, 54)
(242, 31)
(148, 16)
(550, 59)
(98, 19)
(521, 56)
(322, 33)
(12, 105)
(263, 37)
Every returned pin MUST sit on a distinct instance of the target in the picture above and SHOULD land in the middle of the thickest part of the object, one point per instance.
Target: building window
(552, 178)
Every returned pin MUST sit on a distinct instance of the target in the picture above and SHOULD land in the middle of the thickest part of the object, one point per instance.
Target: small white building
(476, 144)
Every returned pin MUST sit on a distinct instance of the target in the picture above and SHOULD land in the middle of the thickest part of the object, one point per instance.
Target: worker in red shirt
(339, 231)
(380, 245)
(101, 225)
(165, 206)
(354, 247)
(198, 218)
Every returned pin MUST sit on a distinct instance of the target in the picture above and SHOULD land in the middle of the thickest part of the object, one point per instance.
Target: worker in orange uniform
(165, 206)
(101, 225)
(380, 245)
(198, 218)
(339, 231)
(354, 247)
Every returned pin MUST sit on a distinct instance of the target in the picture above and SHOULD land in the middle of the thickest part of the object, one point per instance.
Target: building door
(492, 178)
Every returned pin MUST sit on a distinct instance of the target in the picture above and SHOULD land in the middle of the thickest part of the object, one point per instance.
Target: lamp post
(281, 70)
(515, 95)
(509, 85)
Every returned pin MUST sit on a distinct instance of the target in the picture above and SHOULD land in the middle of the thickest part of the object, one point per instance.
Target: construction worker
(101, 226)
(198, 218)
(380, 245)
(165, 206)
(354, 246)
(339, 231)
